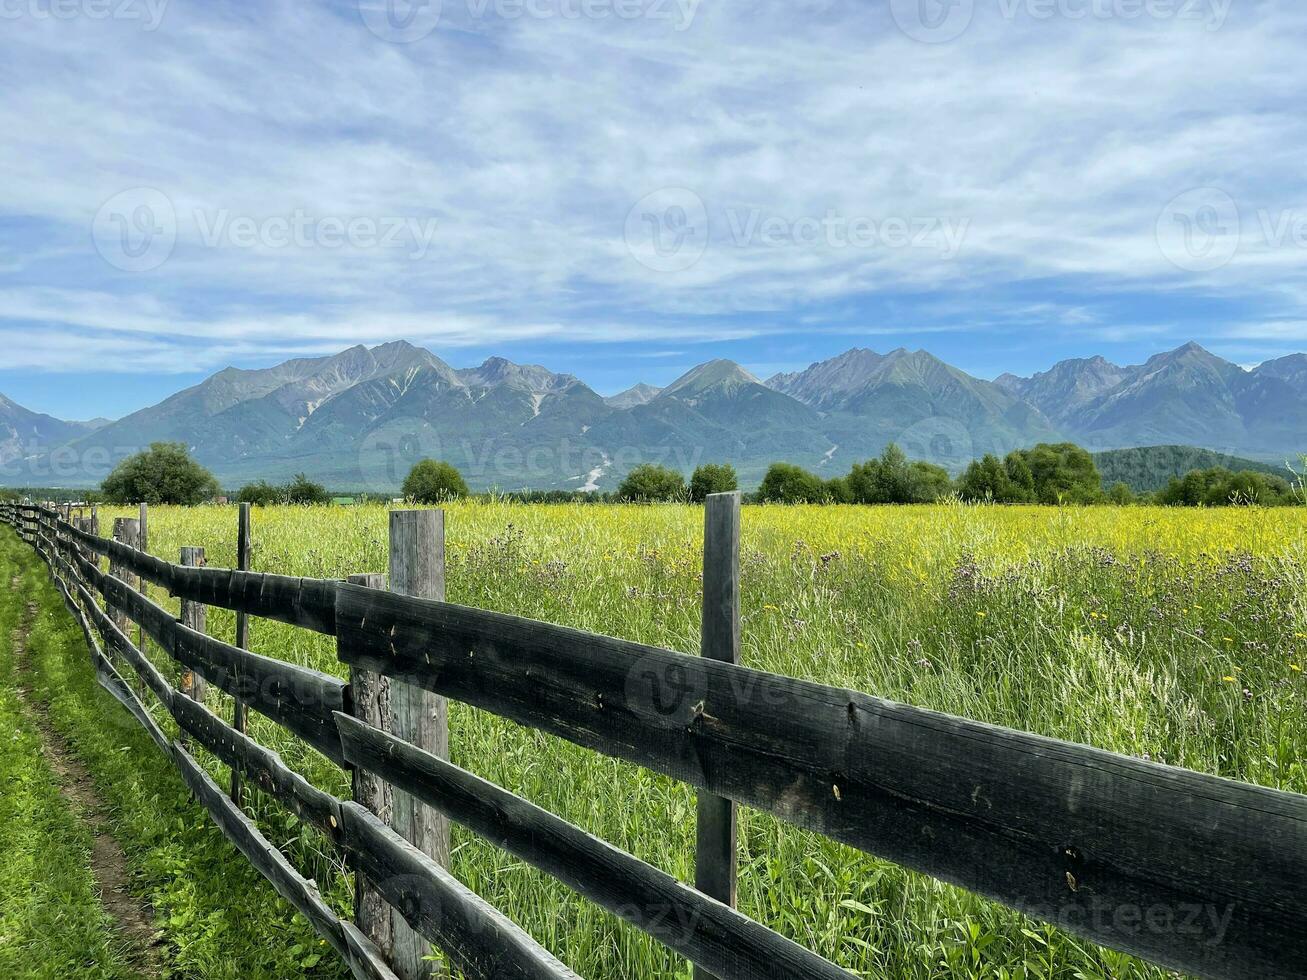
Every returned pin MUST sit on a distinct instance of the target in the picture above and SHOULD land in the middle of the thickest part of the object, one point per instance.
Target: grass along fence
(1194, 872)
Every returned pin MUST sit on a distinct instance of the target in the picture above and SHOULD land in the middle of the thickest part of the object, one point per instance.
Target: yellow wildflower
(1228, 679)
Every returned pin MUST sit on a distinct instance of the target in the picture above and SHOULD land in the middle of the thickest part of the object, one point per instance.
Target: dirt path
(133, 919)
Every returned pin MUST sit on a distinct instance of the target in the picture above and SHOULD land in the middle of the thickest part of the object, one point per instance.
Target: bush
(434, 482)
(1064, 474)
(302, 490)
(786, 483)
(1048, 474)
(1120, 494)
(988, 480)
(261, 494)
(712, 478)
(893, 480)
(649, 482)
(1218, 487)
(163, 474)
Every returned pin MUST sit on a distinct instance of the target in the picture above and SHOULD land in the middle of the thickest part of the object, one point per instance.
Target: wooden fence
(1196, 873)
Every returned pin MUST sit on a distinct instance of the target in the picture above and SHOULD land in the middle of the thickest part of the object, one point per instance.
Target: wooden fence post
(240, 714)
(193, 614)
(143, 544)
(371, 704)
(125, 531)
(715, 857)
(417, 568)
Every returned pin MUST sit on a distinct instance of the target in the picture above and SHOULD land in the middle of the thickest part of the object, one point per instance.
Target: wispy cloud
(726, 172)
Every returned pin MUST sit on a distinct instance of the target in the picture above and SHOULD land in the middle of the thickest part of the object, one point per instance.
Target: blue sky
(625, 188)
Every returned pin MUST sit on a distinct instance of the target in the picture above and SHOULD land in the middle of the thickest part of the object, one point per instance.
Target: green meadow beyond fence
(1196, 873)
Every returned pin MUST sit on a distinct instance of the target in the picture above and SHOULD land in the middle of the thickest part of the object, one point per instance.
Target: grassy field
(218, 917)
(1177, 635)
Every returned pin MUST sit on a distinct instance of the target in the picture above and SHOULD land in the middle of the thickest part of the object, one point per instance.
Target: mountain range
(360, 418)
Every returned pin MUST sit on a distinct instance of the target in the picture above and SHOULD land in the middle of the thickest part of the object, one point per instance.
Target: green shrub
(433, 482)
(712, 478)
(163, 474)
(261, 494)
(650, 482)
(893, 480)
(302, 490)
(786, 483)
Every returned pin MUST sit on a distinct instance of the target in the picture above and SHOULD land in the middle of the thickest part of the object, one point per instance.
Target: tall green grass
(1172, 635)
(219, 918)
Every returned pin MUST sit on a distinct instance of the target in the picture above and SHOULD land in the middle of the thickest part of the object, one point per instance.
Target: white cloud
(529, 140)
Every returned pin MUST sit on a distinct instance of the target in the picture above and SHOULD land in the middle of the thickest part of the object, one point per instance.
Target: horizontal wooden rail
(480, 941)
(298, 698)
(700, 928)
(364, 960)
(303, 602)
(1092, 841)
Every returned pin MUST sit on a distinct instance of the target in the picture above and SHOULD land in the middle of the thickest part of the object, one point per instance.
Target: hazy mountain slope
(359, 419)
(1063, 391)
(635, 395)
(717, 411)
(1183, 396)
(830, 383)
(24, 433)
(1186, 396)
(1291, 369)
(932, 409)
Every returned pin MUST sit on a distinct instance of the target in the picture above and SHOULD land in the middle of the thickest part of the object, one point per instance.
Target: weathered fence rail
(1197, 873)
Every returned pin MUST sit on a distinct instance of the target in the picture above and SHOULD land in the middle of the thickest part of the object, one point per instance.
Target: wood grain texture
(370, 698)
(307, 603)
(298, 698)
(193, 616)
(263, 767)
(698, 927)
(417, 568)
(715, 830)
(478, 939)
(363, 959)
(1081, 837)
(240, 714)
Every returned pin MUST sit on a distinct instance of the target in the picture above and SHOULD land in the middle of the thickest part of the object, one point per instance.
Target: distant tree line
(1050, 473)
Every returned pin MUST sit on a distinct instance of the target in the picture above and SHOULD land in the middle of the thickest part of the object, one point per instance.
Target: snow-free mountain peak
(720, 374)
(639, 394)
